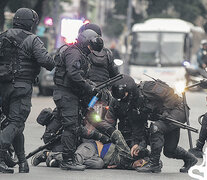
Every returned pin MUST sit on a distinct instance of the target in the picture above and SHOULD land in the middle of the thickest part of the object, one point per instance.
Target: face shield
(96, 44)
(119, 92)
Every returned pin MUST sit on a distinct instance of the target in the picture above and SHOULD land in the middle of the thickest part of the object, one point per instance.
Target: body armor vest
(60, 76)
(99, 66)
(158, 96)
(15, 62)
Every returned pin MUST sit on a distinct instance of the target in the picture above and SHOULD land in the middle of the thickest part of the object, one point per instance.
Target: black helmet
(119, 91)
(91, 38)
(93, 27)
(126, 84)
(25, 18)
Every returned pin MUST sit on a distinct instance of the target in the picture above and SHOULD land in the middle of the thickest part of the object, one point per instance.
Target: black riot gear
(119, 91)
(102, 66)
(90, 38)
(93, 27)
(25, 18)
(21, 56)
(97, 44)
(127, 84)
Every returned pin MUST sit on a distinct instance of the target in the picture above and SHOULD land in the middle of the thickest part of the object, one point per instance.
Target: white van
(159, 48)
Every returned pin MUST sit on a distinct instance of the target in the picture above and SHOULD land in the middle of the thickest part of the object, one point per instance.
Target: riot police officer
(71, 86)
(22, 54)
(123, 110)
(198, 150)
(102, 66)
(155, 98)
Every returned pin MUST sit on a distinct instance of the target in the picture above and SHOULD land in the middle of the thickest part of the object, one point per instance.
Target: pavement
(170, 170)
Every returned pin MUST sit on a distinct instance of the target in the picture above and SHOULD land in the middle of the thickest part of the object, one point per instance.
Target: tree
(13, 5)
(3, 4)
(188, 10)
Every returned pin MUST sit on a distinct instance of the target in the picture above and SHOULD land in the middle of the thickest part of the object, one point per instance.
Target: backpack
(161, 92)
(9, 56)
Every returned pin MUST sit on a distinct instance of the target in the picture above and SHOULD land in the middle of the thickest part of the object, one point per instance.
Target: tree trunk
(38, 8)
(3, 4)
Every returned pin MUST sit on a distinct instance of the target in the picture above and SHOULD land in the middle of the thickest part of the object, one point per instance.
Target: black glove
(164, 115)
(100, 137)
(105, 139)
(203, 84)
(142, 144)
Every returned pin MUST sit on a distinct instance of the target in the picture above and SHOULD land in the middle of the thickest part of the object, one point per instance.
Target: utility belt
(29, 81)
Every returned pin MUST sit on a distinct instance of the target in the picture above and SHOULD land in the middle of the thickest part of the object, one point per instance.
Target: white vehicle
(159, 48)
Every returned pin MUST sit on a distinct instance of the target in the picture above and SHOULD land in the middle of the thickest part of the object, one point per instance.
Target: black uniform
(71, 87)
(131, 122)
(124, 111)
(198, 150)
(102, 66)
(16, 91)
(158, 98)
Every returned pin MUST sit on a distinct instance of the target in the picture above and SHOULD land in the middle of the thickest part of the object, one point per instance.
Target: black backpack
(9, 56)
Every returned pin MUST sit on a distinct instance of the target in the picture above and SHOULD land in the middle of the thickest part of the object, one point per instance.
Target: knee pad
(169, 154)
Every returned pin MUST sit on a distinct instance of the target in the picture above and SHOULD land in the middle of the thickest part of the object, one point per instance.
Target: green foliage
(121, 7)
(16, 4)
(188, 10)
(113, 28)
(156, 7)
(69, 1)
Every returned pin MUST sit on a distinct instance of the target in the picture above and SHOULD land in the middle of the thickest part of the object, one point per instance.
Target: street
(170, 170)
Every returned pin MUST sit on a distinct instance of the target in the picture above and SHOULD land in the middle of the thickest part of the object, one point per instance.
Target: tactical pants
(68, 105)
(164, 134)
(203, 130)
(16, 105)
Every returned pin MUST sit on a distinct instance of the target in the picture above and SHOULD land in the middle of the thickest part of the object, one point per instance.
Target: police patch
(78, 65)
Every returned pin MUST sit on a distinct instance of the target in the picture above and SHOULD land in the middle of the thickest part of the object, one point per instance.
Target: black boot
(71, 164)
(188, 158)
(154, 165)
(197, 151)
(3, 167)
(24, 167)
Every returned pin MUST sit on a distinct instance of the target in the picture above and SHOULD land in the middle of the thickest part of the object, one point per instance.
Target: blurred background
(154, 37)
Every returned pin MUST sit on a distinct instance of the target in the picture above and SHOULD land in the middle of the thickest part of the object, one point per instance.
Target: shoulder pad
(28, 33)
(62, 48)
(109, 55)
